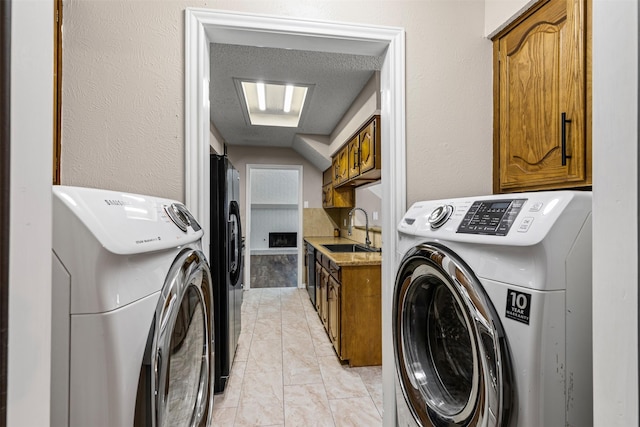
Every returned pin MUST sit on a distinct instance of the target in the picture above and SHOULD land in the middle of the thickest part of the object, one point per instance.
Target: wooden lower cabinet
(350, 308)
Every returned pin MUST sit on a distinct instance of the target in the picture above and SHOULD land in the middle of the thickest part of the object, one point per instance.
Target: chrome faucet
(366, 226)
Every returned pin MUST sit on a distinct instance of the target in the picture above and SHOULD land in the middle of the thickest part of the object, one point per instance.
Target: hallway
(286, 372)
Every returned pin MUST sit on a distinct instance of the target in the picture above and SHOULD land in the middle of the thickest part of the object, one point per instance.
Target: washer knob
(439, 216)
(178, 214)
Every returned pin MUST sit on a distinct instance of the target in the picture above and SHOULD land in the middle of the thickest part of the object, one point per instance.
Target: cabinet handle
(355, 159)
(564, 139)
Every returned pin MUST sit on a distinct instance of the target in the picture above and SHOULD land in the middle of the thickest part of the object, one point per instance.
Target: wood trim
(57, 90)
(588, 116)
(5, 162)
(496, 116)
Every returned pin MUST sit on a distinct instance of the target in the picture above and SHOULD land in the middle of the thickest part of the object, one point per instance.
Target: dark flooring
(274, 271)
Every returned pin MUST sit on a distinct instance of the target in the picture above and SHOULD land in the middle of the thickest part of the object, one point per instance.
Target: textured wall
(123, 101)
(123, 91)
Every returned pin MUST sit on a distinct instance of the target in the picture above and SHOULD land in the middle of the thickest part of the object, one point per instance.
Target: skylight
(274, 104)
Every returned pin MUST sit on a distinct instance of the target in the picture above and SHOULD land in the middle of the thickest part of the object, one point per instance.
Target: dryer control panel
(519, 219)
(494, 217)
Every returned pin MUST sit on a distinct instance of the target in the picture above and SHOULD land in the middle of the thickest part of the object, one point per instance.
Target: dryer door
(180, 354)
(452, 357)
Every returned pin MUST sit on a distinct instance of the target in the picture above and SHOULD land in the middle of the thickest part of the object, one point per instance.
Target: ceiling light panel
(274, 104)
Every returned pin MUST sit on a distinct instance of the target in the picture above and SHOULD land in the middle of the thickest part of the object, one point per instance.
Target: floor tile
(372, 378)
(355, 412)
(231, 395)
(307, 405)
(286, 372)
(341, 382)
(224, 417)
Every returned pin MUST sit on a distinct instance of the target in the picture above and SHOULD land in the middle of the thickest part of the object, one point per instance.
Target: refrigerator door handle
(235, 242)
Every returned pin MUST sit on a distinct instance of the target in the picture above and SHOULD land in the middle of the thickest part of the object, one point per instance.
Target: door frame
(247, 226)
(205, 26)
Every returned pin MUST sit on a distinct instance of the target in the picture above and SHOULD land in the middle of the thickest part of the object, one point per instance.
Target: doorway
(274, 226)
(205, 26)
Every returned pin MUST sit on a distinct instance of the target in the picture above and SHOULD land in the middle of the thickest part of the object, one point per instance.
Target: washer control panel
(493, 217)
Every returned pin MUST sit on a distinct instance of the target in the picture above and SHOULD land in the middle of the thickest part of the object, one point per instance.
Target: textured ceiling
(336, 78)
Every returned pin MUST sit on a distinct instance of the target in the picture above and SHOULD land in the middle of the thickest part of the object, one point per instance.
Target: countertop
(344, 258)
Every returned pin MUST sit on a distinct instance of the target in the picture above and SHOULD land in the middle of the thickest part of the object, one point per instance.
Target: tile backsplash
(317, 222)
(321, 222)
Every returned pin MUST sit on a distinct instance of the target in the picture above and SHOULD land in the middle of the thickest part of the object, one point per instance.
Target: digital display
(492, 217)
(501, 205)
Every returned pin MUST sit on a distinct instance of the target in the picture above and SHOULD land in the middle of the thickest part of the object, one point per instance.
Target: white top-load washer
(492, 311)
(132, 321)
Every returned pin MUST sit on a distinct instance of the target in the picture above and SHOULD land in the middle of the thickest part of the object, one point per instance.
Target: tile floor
(286, 372)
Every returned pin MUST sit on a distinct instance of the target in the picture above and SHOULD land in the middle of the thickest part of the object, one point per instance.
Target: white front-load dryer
(132, 320)
(492, 311)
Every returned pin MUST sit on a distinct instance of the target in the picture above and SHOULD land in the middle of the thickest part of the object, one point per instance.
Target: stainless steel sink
(349, 247)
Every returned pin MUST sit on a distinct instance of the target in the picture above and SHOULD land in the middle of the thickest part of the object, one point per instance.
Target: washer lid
(126, 223)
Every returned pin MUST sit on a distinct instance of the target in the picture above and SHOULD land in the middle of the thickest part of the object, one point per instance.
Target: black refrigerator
(227, 264)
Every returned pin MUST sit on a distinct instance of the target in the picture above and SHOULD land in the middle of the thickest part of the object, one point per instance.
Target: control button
(439, 216)
(536, 207)
(525, 224)
(179, 215)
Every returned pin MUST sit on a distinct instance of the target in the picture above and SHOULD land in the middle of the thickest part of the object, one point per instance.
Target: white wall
(366, 104)
(124, 81)
(311, 177)
(500, 13)
(615, 214)
(274, 204)
(29, 343)
(216, 141)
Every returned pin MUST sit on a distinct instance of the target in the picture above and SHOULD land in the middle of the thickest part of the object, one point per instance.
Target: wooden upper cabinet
(335, 197)
(542, 101)
(363, 163)
(369, 155)
(354, 157)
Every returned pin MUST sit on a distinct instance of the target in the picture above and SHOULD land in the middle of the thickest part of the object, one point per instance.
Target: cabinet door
(335, 167)
(318, 288)
(327, 176)
(354, 157)
(342, 169)
(327, 196)
(334, 313)
(369, 148)
(541, 83)
(324, 308)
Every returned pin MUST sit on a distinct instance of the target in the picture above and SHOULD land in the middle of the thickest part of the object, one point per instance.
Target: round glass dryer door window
(176, 379)
(451, 354)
